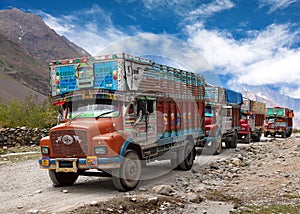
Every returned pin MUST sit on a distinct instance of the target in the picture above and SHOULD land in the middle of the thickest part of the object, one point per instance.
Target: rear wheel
(127, 177)
(62, 178)
(248, 138)
(227, 144)
(217, 145)
(188, 157)
(233, 142)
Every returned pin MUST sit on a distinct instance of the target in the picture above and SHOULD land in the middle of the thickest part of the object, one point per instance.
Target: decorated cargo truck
(279, 121)
(118, 113)
(222, 118)
(252, 120)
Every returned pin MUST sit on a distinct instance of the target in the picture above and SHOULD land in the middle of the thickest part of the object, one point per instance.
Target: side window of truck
(141, 107)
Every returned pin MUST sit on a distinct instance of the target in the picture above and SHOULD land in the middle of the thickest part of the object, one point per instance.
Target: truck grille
(69, 143)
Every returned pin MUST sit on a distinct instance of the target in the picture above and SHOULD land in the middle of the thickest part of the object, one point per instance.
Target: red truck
(252, 120)
(222, 118)
(119, 112)
(279, 121)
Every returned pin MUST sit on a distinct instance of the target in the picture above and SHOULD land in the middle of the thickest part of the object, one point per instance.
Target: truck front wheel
(127, 177)
(62, 178)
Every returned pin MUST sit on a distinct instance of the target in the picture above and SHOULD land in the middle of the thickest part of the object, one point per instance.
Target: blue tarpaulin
(233, 97)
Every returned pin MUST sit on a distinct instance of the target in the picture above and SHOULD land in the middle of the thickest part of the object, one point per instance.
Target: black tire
(233, 142)
(266, 134)
(283, 135)
(62, 178)
(248, 138)
(227, 144)
(258, 137)
(127, 177)
(188, 157)
(217, 145)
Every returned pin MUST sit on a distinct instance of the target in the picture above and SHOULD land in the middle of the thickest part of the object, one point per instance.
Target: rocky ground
(257, 178)
(260, 178)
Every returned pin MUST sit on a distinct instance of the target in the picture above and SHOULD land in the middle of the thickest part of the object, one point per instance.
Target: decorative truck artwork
(222, 117)
(120, 112)
(279, 121)
(252, 120)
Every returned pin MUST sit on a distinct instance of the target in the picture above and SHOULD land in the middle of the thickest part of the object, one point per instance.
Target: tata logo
(68, 139)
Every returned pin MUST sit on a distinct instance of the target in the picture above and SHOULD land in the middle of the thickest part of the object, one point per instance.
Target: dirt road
(27, 189)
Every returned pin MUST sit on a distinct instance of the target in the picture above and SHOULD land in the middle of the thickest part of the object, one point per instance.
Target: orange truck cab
(130, 112)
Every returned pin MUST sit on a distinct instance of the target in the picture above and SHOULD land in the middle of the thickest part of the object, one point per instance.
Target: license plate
(66, 165)
(45, 162)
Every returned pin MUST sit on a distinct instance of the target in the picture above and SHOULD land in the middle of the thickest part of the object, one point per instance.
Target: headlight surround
(100, 150)
(45, 150)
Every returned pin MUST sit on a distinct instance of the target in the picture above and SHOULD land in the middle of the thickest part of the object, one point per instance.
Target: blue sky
(255, 42)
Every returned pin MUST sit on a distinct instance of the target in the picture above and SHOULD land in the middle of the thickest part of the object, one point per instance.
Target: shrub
(28, 112)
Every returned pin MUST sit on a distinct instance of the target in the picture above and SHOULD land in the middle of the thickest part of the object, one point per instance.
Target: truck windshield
(208, 112)
(94, 108)
(281, 124)
(272, 120)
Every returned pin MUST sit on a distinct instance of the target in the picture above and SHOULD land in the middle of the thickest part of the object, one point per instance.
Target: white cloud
(262, 57)
(88, 35)
(277, 4)
(295, 93)
(212, 8)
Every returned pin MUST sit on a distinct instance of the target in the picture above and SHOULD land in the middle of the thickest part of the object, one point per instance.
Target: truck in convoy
(119, 112)
(279, 121)
(222, 117)
(252, 120)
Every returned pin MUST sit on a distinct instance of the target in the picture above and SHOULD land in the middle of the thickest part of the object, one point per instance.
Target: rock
(194, 198)
(214, 165)
(133, 199)
(163, 190)
(38, 191)
(33, 211)
(236, 161)
(94, 203)
(143, 189)
(65, 191)
(153, 200)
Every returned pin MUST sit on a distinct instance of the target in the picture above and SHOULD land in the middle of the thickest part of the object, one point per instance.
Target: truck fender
(125, 146)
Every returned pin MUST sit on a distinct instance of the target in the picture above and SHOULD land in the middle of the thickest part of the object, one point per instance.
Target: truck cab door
(225, 118)
(140, 120)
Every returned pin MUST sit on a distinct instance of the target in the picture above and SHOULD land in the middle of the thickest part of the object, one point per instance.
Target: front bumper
(73, 164)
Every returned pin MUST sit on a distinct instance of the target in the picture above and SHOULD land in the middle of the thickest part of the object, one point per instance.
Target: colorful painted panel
(106, 75)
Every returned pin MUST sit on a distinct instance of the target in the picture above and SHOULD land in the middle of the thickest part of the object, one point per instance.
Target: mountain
(27, 45)
(271, 98)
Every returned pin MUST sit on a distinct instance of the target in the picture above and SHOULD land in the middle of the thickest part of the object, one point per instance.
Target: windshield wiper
(77, 116)
(104, 113)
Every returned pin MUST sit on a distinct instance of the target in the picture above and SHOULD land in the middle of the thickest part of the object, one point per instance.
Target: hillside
(27, 45)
